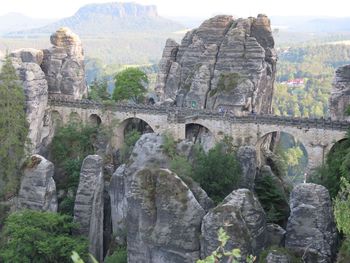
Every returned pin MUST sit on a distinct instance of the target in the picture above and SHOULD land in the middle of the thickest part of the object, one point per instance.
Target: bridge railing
(189, 113)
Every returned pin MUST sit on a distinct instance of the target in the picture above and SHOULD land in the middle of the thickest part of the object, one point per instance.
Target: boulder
(246, 156)
(311, 230)
(275, 235)
(243, 219)
(226, 62)
(63, 65)
(163, 218)
(27, 64)
(38, 188)
(276, 256)
(340, 94)
(88, 206)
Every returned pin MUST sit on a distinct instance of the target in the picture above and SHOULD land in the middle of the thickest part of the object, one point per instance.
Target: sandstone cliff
(340, 94)
(228, 63)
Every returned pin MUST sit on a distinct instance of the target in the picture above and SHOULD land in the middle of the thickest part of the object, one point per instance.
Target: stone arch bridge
(317, 135)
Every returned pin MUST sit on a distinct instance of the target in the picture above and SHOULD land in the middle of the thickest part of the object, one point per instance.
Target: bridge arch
(129, 124)
(198, 133)
(95, 120)
(56, 119)
(288, 147)
(74, 117)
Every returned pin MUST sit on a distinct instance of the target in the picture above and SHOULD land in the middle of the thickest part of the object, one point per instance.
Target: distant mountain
(312, 24)
(109, 19)
(16, 21)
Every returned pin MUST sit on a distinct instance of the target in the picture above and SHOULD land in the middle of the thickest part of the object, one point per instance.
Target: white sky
(190, 8)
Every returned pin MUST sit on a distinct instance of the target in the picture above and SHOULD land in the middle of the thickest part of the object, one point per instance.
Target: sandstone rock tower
(63, 65)
(226, 62)
(340, 94)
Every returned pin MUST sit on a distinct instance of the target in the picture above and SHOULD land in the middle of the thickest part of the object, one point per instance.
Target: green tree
(98, 90)
(130, 85)
(41, 237)
(218, 172)
(14, 127)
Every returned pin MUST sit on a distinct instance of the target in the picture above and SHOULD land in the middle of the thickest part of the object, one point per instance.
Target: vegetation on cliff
(14, 129)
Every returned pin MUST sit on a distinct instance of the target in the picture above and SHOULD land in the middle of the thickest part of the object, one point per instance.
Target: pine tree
(13, 127)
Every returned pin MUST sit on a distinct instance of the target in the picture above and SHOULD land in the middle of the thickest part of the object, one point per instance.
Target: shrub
(31, 236)
(129, 142)
(119, 256)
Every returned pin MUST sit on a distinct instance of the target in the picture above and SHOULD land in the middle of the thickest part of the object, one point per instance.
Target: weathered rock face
(226, 62)
(38, 189)
(278, 257)
(275, 235)
(340, 94)
(88, 207)
(244, 220)
(63, 65)
(311, 229)
(247, 158)
(27, 64)
(164, 219)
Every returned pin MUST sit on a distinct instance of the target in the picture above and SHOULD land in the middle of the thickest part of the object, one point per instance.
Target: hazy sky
(194, 8)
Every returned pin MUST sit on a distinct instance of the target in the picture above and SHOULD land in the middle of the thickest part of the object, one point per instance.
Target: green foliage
(281, 251)
(129, 141)
(342, 207)
(169, 145)
(227, 82)
(4, 211)
(70, 145)
(233, 256)
(98, 90)
(344, 252)
(14, 129)
(130, 85)
(218, 172)
(336, 166)
(181, 166)
(272, 198)
(31, 236)
(119, 256)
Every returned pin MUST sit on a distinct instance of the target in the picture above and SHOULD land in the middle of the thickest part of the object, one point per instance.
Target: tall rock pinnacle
(228, 63)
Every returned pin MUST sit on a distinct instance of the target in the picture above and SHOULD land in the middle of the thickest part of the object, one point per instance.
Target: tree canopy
(130, 84)
(13, 127)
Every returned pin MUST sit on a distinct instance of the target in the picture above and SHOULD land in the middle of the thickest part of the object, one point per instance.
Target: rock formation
(311, 230)
(27, 64)
(38, 189)
(246, 156)
(340, 94)
(228, 63)
(63, 65)
(244, 220)
(276, 256)
(88, 207)
(164, 219)
(275, 235)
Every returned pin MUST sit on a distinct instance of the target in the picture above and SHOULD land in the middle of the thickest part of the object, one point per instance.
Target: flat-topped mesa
(225, 63)
(340, 95)
(63, 65)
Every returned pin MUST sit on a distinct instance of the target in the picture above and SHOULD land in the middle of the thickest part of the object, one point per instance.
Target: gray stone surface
(275, 235)
(88, 207)
(38, 188)
(211, 58)
(311, 230)
(27, 64)
(163, 218)
(275, 256)
(246, 156)
(244, 220)
(340, 94)
(63, 65)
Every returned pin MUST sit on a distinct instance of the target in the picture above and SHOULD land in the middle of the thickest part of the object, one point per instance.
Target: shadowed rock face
(63, 65)
(340, 94)
(311, 230)
(225, 62)
(38, 189)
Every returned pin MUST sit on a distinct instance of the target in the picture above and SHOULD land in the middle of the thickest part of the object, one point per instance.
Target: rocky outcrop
(246, 156)
(164, 219)
(340, 94)
(244, 220)
(38, 188)
(275, 235)
(27, 64)
(88, 207)
(276, 256)
(228, 63)
(311, 230)
(63, 65)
